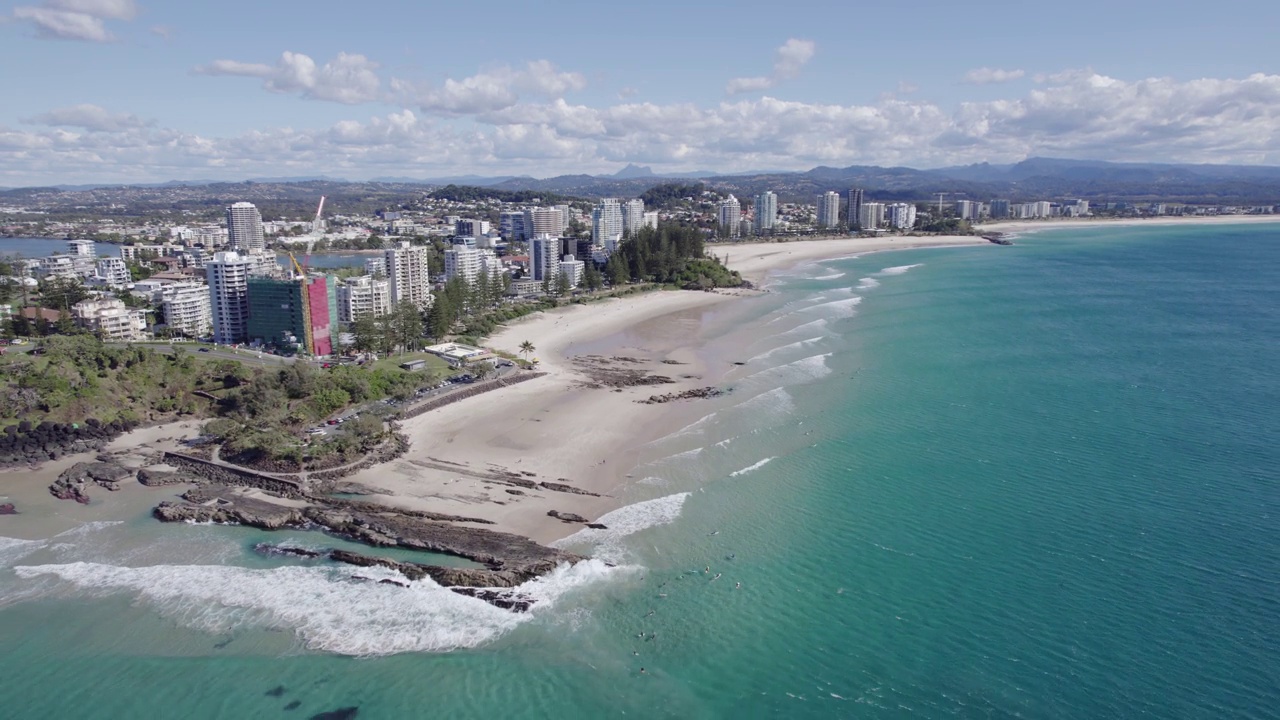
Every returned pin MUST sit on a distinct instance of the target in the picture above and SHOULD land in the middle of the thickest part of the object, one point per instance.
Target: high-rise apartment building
(467, 227)
(999, 209)
(632, 216)
(363, 296)
(81, 248)
(114, 272)
(228, 276)
(462, 262)
(871, 215)
(606, 221)
(902, 216)
(408, 274)
(187, 308)
(729, 217)
(544, 257)
(244, 228)
(766, 211)
(511, 226)
(544, 221)
(829, 210)
(967, 209)
(855, 208)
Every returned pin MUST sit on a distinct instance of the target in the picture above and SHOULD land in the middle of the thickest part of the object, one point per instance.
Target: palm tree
(526, 347)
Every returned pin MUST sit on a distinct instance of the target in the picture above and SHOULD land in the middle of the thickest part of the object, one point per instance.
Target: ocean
(1034, 481)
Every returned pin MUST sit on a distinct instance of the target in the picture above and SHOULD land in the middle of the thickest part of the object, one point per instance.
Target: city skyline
(124, 91)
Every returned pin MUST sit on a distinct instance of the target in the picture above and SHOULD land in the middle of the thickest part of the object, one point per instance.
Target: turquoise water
(1037, 481)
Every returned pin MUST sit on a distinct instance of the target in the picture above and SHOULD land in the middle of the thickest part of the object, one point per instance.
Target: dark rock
(345, 713)
(8, 509)
(597, 526)
(566, 517)
(293, 705)
(696, 393)
(157, 478)
(243, 511)
(739, 363)
(389, 581)
(506, 601)
(277, 691)
(513, 491)
(286, 550)
(561, 487)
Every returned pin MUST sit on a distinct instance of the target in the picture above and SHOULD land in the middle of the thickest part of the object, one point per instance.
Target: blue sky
(142, 90)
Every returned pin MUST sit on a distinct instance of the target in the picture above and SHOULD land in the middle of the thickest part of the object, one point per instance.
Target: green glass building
(276, 316)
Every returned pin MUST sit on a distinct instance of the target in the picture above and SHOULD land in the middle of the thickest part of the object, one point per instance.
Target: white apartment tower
(244, 228)
(902, 216)
(114, 272)
(871, 215)
(606, 221)
(829, 210)
(729, 217)
(81, 248)
(187, 308)
(228, 276)
(408, 274)
(544, 221)
(544, 257)
(766, 211)
(632, 216)
(463, 262)
(363, 296)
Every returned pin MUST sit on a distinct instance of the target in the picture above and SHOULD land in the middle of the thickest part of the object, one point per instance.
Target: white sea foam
(725, 442)
(623, 522)
(13, 549)
(811, 326)
(751, 468)
(799, 371)
(831, 276)
(867, 283)
(783, 348)
(323, 605)
(771, 405)
(653, 480)
(89, 527)
(842, 308)
(694, 427)
(898, 270)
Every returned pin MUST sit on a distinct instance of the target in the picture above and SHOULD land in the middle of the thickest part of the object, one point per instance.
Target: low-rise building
(187, 308)
(363, 296)
(110, 319)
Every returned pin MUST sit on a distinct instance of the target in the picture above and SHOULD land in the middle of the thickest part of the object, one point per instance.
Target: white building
(461, 261)
(114, 272)
(967, 209)
(544, 254)
(83, 248)
(606, 221)
(187, 308)
(766, 211)
(871, 215)
(228, 275)
(376, 266)
(902, 216)
(632, 216)
(409, 275)
(728, 216)
(573, 270)
(544, 221)
(244, 228)
(363, 296)
(109, 319)
(58, 266)
(828, 210)
(650, 219)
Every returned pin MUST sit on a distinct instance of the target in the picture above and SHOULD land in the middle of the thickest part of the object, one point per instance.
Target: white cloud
(1080, 114)
(89, 117)
(76, 19)
(793, 55)
(491, 90)
(990, 76)
(348, 78)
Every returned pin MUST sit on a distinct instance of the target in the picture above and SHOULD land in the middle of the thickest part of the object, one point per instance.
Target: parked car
(204, 349)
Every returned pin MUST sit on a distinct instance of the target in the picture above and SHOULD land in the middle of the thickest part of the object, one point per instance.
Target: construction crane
(316, 223)
(308, 339)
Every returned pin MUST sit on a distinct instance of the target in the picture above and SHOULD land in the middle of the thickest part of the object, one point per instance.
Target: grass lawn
(436, 366)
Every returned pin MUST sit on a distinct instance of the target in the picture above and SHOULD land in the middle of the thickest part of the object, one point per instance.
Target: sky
(107, 91)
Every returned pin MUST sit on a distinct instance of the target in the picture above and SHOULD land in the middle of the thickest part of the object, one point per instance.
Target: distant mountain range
(1034, 178)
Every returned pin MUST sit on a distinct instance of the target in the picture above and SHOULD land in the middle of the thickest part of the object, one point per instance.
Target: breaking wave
(782, 348)
(623, 522)
(751, 468)
(898, 269)
(14, 549)
(327, 607)
(842, 308)
(867, 283)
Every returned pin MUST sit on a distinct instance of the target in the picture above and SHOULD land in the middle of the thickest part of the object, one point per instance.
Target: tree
(591, 277)
(562, 287)
(404, 326)
(526, 348)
